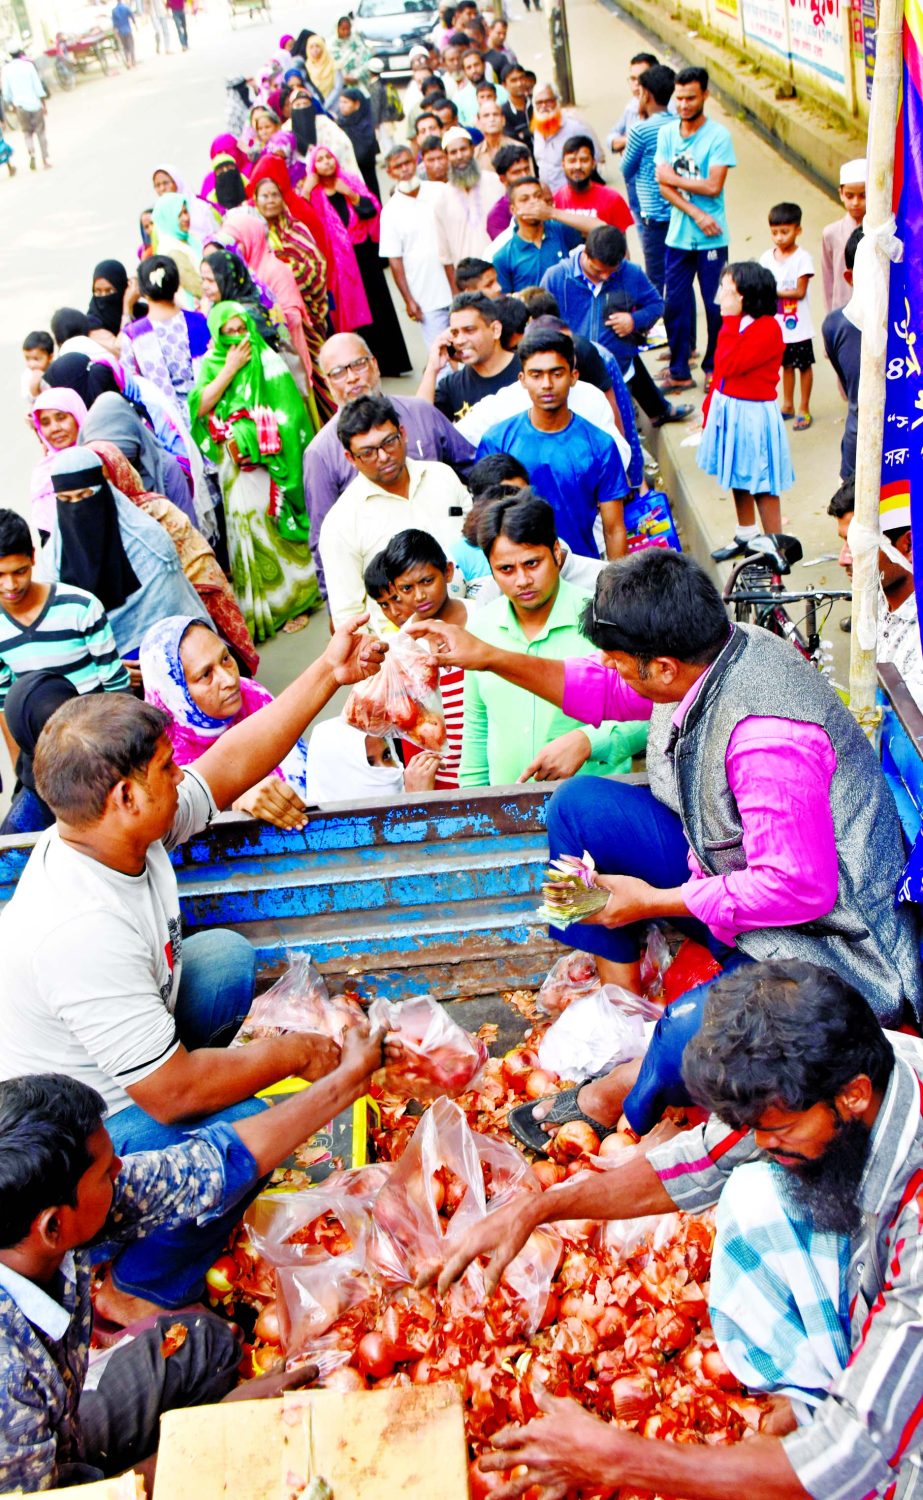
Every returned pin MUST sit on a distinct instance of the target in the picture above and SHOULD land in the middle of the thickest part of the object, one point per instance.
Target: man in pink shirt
(767, 830)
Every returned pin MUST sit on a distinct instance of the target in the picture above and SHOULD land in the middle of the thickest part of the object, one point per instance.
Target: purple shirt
(779, 771)
(499, 218)
(327, 470)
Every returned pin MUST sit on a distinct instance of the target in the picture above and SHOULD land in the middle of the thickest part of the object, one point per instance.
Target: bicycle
(757, 595)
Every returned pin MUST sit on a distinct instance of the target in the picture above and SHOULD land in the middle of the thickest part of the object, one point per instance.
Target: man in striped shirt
(813, 1152)
(639, 168)
(49, 627)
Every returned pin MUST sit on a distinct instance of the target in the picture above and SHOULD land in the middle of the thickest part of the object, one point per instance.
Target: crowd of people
(216, 458)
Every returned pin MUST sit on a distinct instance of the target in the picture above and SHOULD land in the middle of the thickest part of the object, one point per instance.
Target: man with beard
(552, 128)
(466, 97)
(473, 338)
(813, 1153)
(462, 214)
(582, 194)
(351, 370)
(433, 160)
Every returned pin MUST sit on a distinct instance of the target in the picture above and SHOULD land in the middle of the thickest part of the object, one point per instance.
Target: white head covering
(854, 171)
(455, 133)
(338, 768)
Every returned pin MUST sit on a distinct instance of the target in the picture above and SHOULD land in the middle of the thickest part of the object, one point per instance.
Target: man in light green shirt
(509, 735)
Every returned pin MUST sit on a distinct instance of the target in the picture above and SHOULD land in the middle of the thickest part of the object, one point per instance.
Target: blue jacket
(583, 312)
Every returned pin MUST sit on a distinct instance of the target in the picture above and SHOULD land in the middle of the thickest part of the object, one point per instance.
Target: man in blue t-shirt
(542, 235)
(572, 464)
(122, 23)
(692, 160)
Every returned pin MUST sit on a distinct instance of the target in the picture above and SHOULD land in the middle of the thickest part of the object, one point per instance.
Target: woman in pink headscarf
(247, 231)
(362, 301)
(224, 145)
(57, 416)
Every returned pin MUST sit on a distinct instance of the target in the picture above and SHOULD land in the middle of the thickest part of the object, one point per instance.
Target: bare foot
(292, 627)
(121, 1308)
(602, 1098)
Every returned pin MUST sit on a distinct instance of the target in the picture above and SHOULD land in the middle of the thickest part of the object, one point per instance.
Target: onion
(631, 1399)
(539, 1083)
(345, 1379)
(266, 1327)
(576, 1138)
(374, 1356)
(547, 1172)
(612, 1145)
(715, 1370)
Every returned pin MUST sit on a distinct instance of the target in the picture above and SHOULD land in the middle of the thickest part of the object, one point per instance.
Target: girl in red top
(745, 444)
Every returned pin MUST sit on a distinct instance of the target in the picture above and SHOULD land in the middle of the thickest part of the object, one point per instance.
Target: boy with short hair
(38, 352)
(49, 626)
(837, 290)
(420, 574)
(381, 590)
(793, 269)
(475, 275)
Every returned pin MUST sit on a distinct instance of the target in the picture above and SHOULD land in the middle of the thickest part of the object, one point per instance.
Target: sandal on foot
(787, 416)
(532, 1133)
(802, 422)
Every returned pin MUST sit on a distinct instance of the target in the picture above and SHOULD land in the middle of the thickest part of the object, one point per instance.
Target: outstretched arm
(459, 648)
(249, 751)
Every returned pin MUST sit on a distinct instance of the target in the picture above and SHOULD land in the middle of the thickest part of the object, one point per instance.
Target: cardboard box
(125, 1487)
(366, 1444)
(342, 1142)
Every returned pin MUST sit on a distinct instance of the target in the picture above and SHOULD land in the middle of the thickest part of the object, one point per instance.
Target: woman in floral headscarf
(186, 672)
(249, 418)
(362, 301)
(351, 55)
(248, 234)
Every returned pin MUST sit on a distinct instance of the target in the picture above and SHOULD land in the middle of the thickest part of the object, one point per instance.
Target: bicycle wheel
(751, 578)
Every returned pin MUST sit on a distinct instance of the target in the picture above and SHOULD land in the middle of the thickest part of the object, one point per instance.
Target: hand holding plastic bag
(403, 698)
(299, 1001)
(437, 1057)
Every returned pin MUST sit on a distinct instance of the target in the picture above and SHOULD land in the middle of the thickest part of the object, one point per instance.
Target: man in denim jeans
(693, 158)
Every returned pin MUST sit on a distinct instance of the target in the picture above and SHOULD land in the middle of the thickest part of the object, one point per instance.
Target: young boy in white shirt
(793, 269)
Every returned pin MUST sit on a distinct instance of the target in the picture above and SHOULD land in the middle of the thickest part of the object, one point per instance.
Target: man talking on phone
(607, 298)
(472, 339)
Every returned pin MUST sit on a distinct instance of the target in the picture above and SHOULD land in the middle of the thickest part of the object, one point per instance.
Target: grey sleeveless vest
(865, 938)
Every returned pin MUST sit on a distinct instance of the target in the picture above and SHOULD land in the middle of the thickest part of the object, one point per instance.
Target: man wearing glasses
(389, 493)
(351, 370)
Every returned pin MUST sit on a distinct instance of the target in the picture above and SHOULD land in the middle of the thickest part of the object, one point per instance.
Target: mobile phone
(450, 351)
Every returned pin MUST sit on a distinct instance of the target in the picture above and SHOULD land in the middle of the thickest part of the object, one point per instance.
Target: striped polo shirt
(70, 635)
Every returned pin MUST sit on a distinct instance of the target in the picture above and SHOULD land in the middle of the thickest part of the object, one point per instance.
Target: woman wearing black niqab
(107, 304)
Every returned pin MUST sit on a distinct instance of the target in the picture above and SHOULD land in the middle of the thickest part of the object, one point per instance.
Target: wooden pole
(560, 51)
(882, 129)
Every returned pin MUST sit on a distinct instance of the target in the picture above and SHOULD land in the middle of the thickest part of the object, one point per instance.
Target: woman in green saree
(249, 418)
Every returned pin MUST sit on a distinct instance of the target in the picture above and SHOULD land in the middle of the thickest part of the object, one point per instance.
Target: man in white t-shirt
(96, 980)
(411, 244)
(793, 269)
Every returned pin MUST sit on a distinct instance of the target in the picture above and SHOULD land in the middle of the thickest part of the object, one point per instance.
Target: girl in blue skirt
(745, 444)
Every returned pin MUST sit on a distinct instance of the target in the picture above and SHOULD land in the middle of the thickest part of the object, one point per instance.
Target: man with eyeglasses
(351, 370)
(390, 492)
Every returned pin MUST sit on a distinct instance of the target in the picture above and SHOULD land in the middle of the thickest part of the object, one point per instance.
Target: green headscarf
(167, 210)
(264, 382)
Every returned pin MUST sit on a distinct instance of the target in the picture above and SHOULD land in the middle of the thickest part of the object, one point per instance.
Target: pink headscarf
(351, 304)
(247, 229)
(225, 145)
(60, 398)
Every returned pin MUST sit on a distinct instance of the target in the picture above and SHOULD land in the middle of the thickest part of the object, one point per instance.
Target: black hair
(493, 469)
(46, 1120)
(428, 113)
(521, 182)
(657, 603)
(69, 323)
(158, 278)
(471, 50)
(784, 213)
(469, 270)
(458, 39)
(757, 287)
(607, 245)
(477, 300)
(511, 67)
(507, 156)
(659, 81)
(410, 549)
(547, 341)
(39, 339)
(514, 319)
(430, 143)
(446, 104)
(644, 57)
(362, 415)
(431, 85)
(539, 302)
(485, 87)
(784, 1033)
(575, 142)
(524, 518)
(694, 75)
(90, 744)
(852, 245)
(376, 580)
(843, 503)
(15, 536)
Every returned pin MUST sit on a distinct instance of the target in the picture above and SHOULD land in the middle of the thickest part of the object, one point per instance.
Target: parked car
(391, 27)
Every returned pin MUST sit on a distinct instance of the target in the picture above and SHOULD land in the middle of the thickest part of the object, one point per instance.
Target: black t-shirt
(463, 388)
(517, 123)
(591, 366)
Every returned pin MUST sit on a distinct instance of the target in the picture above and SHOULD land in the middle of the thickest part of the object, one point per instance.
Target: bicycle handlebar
(747, 596)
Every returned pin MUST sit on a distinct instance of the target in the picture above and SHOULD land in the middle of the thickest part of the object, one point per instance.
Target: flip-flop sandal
(788, 416)
(802, 423)
(532, 1133)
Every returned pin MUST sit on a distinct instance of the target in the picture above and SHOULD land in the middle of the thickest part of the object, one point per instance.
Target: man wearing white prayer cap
(837, 290)
(472, 193)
